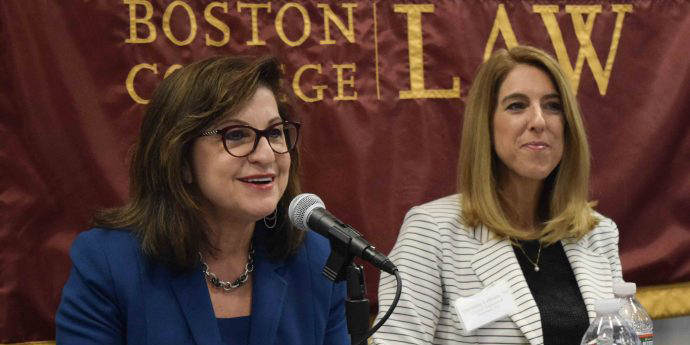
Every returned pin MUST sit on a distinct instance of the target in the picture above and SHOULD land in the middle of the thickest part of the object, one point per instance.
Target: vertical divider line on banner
(376, 53)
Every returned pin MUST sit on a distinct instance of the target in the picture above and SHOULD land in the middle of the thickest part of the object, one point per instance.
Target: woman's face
(528, 124)
(243, 189)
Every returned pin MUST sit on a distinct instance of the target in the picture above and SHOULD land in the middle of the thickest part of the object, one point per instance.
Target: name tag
(493, 303)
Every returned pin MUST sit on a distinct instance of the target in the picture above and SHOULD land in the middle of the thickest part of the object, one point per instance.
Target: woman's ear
(186, 173)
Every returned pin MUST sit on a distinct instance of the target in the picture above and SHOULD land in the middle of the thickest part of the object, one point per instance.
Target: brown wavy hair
(163, 210)
(564, 206)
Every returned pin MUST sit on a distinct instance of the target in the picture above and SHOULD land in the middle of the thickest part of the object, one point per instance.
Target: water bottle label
(644, 341)
(647, 339)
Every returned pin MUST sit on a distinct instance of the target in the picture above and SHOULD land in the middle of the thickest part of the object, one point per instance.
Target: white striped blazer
(440, 260)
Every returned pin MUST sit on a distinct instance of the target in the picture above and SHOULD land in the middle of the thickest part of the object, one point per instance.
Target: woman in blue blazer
(204, 253)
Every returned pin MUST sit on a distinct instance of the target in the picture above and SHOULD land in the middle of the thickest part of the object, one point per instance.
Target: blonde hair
(567, 212)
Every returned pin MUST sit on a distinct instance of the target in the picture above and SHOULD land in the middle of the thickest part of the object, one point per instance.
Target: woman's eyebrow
(552, 96)
(513, 95)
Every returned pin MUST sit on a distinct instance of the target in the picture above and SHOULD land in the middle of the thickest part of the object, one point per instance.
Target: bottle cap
(624, 289)
(607, 306)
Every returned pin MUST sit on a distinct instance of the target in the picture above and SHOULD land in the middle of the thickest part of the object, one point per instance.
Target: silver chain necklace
(534, 263)
(226, 285)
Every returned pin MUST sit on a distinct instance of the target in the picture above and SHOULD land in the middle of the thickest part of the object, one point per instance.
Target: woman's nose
(263, 152)
(537, 121)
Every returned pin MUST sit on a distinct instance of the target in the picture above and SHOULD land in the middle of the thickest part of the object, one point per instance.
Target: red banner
(381, 89)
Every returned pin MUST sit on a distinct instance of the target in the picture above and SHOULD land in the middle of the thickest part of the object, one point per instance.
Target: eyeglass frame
(260, 133)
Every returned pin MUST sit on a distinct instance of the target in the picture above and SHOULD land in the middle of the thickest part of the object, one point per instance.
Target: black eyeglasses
(242, 140)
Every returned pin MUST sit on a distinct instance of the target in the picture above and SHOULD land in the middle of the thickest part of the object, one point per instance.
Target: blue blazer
(117, 295)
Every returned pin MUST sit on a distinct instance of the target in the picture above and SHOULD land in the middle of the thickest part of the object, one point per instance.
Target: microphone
(307, 211)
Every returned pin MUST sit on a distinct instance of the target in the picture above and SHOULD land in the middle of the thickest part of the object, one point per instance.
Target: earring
(271, 220)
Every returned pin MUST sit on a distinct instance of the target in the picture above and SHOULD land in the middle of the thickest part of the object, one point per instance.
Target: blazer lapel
(592, 272)
(268, 298)
(189, 288)
(495, 261)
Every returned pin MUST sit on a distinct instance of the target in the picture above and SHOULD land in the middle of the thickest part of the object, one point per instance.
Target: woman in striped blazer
(521, 217)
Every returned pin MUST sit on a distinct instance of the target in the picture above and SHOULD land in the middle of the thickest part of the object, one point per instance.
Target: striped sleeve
(605, 241)
(417, 254)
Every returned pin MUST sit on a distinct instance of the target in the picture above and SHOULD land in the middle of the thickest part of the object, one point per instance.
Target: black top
(235, 330)
(563, 313)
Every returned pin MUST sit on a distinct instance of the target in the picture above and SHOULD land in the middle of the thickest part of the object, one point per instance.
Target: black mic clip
(346, 244)
(340, 258)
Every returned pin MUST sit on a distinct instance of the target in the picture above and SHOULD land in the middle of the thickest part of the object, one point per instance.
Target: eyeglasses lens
(242, 140)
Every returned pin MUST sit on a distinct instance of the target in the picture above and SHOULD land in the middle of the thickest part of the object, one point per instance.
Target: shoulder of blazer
(116, 246)
(116, 253)
(109, 262)
(605, 233)
(108, 238)
(445, 213)
(118, 249)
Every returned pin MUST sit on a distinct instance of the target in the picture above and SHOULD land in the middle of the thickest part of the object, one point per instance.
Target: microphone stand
(357, 304)
(339, 267)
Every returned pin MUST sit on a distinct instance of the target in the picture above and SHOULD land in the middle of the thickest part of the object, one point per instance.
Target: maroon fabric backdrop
(381, 99)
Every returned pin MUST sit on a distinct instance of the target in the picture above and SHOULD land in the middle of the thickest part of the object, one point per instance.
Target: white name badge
(493, 303)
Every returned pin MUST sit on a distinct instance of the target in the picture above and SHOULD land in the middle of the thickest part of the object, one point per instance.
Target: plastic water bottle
(609, 328)
(634, 313)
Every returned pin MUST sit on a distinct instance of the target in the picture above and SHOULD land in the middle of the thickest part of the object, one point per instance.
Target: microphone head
(301, 208)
